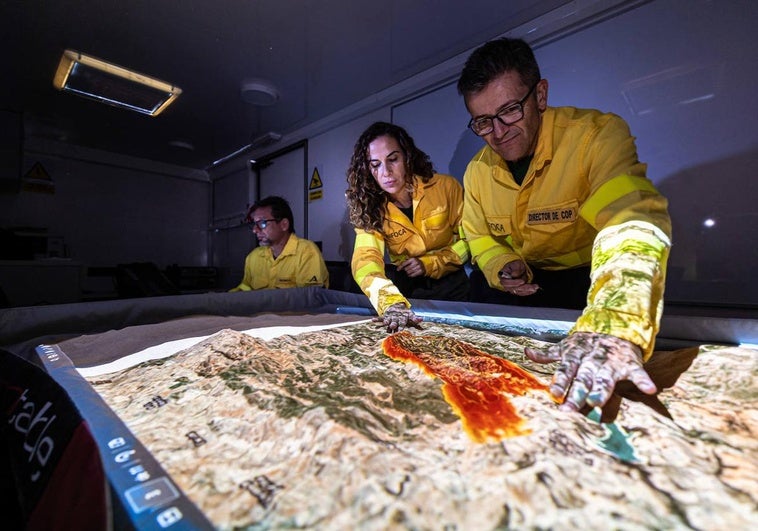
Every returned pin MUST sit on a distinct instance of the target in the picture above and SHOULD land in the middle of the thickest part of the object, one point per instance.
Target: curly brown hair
(366, 200)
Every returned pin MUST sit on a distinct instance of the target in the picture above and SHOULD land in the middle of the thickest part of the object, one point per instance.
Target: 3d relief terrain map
(441, 428)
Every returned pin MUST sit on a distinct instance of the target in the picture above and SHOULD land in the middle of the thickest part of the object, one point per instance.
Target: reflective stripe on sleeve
(368, 269)
(612, 190)
(480, 247)
(485, 249)
(461, 249)
(366, 239)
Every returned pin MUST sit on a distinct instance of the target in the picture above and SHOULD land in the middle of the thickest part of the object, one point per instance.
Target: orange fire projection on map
(476, 384)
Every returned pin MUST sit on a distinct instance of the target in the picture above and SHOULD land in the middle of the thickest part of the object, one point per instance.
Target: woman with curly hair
(397, 202)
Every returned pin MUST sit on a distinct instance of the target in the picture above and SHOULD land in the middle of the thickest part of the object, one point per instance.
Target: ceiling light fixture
(266, 139)
(257, 91)
(105, 82)
(182, 144)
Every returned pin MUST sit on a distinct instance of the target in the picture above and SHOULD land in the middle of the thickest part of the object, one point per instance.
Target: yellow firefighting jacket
(433, 237)
(300, 264)
(585, 187)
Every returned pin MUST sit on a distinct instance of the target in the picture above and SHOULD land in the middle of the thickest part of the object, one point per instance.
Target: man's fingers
(642, 380)
(581, 386)
(602, 387)
(542, 356)
(568, 369)
(518, 286)
(562, 379)
(526, 289)
(514, 269)
(576, 396)
(510, 283)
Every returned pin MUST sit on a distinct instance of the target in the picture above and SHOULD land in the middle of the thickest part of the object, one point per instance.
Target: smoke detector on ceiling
(258, 91)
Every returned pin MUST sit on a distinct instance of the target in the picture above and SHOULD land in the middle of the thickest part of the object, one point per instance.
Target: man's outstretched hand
(590, 365)
(398, 317)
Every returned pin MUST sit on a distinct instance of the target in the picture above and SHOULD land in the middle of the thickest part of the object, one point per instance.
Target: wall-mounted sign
(38, 180)
(315, 180)
(315, 186)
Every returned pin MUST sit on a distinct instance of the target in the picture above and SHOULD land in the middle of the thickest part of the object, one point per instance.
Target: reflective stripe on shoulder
(612, 190)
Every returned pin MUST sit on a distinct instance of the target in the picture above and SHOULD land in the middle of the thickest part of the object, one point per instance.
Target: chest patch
(551, 215)
(396, 233)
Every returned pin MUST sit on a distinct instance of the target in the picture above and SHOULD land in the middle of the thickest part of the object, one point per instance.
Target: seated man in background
(558, 211)
(281, 260)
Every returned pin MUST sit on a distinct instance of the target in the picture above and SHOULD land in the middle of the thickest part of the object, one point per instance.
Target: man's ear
(541, 91)
(285, 224)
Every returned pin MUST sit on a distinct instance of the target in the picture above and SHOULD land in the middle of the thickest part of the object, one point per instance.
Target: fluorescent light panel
(105, 82)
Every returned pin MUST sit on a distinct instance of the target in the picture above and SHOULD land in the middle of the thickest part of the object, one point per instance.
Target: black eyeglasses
(263, 223)
(484, 125)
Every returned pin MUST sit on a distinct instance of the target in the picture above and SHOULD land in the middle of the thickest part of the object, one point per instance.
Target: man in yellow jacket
(556, 200)
(282, 260)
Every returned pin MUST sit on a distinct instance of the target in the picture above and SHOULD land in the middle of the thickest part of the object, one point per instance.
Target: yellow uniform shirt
(584, 181)
(433, 237)
(300, 264)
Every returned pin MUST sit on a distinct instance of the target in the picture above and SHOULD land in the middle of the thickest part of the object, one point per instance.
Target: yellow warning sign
(38, 180)
(37, 173)
(317, 194)
(315, 180)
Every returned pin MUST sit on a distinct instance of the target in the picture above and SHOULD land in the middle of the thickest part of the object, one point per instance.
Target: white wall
(232, 190)
(330, 152)
(111, 210)
(680, 73)
(437, 121)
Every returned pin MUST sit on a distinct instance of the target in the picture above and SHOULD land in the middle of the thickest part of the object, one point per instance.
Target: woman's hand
(398, 317)
(413, 267)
